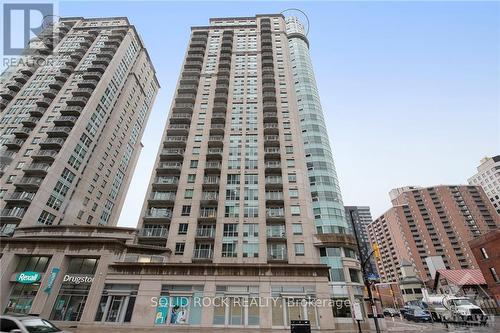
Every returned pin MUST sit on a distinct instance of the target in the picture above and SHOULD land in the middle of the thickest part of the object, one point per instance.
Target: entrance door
(115, 308)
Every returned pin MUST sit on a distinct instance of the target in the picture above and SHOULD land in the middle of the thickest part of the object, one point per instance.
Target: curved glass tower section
(325, 190)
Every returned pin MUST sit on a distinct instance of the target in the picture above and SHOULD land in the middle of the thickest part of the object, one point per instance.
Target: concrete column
(207, 312)
(8, 263)
(265, 311)
(96, 288)
(43, 302)
(144, 309)
(325, 314)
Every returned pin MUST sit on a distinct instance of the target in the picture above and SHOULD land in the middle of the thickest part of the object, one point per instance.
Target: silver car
(27, 324)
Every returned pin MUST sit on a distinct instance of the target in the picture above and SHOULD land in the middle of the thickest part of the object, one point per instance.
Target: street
(398, 325)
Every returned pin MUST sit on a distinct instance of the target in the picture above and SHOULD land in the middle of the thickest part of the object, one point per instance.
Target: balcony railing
(278, 196)
(153, 232)
(9, 213)
(210, 196)
(163, 196)
(29, 181)
(166, 180)
(203, 254)
(205, 232)
(208, 213)
(211, 180)
(275, 212)
(159, 214)
(276, 232)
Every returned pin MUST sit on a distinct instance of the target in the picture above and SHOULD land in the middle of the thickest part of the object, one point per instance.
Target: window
(233, 179)
(494, 274)
(293, 193)
(196, 150)
(188, 194)
(299, 249)
(186, 210)
(290, 163)
(297, 228)
(484, 253)
(229, 250)
(354, 275)
(46, 218)
(34, 264)
(230, 230)
(295, 210)
(292, 178)
(191, 178)
(193, 164)
(179, 248)
(183, 228)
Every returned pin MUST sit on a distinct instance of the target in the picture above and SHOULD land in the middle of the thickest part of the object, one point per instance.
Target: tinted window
(7, 325)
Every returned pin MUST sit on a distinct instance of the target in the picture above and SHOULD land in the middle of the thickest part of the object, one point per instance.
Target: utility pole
(365, 277)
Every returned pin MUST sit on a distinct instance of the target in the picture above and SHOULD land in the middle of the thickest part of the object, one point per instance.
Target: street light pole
(365, 277)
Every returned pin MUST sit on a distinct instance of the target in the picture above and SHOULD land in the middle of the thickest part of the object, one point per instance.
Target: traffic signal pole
(365, 276)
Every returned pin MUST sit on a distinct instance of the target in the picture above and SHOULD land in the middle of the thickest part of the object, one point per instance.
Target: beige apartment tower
(230, 187)
(72, 117)
(431, 223)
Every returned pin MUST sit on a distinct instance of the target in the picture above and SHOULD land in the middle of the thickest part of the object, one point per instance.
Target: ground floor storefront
(97, 282)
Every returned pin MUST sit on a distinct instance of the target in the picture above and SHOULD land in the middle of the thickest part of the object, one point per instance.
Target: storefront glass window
(176, 305)
(117, 303)
(70, 302)
(21, 298)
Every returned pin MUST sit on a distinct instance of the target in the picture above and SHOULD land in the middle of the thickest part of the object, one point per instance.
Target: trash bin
(300, 326)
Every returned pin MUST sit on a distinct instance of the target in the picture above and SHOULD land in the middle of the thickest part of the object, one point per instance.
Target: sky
(410, 90)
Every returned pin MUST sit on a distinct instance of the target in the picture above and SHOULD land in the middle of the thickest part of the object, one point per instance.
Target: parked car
(390, 312)
(27, 324)
(418, 314)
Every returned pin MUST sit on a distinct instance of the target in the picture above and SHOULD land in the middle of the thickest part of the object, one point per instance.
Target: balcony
(7, 94)
(22, 132)
(29, 183)
(190, 80)
(3, 104)
(271, 128)
(273, 166)
(268, 78)
(67, 70)
(65, 120)
(267, 55)
(175, 141)
(158, 215)
(193, 64)
(221, 97)
(203, 254)
(159, 198)
(219, 107)
(226, 50)
(276, 214)
(270, 117)
(271, 140)
(213, 166)
(106, 54)
(185, 97)
(276, 232)
(37, 169)
(269, 106)
(30, 121)
(74, 110)
(274, 182)
(180, 118)
(175, 129)
(12, 214)
(217, 129)
(91, 76)
(208, 214)
(169, 167)
(22, 78)
(20, 198)
(37, 111)
(211, 197)
(215, 141)
(52, 143)
(97, 68)
(153, 233)
(109, 48)
(72, 62)
(26, 70)
(214, 153)
(187, 89)
(58, 131)
(78, 55)
(196, 50)
(269, 97)
(277, 255)
(211, 182)
(15, 86)
(218, 117)
(14, 143)
(205, 232)
(172, 154)
(86, 92)
(274, 197)
(266, 42)
(44, 102)
(90, 84)
(222, 88)
(63, 77)
(44, 155)
(56, 85)
(168, 183)
(222, 79)
(77, 101)
(183, 107)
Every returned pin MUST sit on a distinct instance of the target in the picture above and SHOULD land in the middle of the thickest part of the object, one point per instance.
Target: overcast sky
(410, 91)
